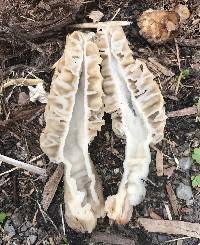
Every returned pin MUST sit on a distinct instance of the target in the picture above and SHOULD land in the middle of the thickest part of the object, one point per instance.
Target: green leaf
(196, 155)
(185, 73)
(2, 217)
(65, 241)
(195, 181)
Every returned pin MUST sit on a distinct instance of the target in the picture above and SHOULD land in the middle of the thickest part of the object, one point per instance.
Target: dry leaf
(172, 198)
(96, 16)
(38, 93)
(182, 11)
(158, 26)
(153, 215)
(51, 187)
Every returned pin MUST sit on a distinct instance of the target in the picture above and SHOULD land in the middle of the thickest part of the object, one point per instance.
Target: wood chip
(159, 163)
(172, 198)
(110, 239)
(51, 187)
(183, 112)
(174, 227)
(153, 215)
(161, 68)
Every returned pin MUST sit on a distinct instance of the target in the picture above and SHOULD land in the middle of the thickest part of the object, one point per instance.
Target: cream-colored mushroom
(136, 104)
(73, 116)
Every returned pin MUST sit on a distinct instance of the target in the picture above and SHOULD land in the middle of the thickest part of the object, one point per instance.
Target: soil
(32, 37)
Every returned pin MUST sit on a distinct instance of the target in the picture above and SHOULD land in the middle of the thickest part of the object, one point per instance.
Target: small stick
(178, 82)
(116, 13)
(177, 54)
(62, 217)
(168, 211)
(183, 112)
(9, 171)
(174, 227)
(26, 166)
(102, 24)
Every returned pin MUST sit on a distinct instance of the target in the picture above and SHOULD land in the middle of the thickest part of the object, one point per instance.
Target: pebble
(185, 163)
(17, 219)
(32, 239)
(9, 229)
(184, 192)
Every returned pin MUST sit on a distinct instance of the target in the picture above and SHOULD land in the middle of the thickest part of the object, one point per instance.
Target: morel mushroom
(73, 116)
(136, 104)
(158, 26)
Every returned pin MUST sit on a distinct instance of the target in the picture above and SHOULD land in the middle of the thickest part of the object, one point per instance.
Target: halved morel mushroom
(73, 116)
(135, 102)
(158, 26)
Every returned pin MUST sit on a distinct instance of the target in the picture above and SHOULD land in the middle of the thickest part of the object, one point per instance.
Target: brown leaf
(51, 187)
(153, 215)
(172, 198)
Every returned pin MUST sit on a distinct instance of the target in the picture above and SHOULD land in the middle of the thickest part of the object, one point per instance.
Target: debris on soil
(23, 165)
(185, 163)
(183, 112)
(171, 227)
(172, 198)
(153, 214)
(182, 11)
(38, 93)
(168, 171)
(51, 187)
(9, 229)
(184, 192)
(111, 239)
(158, 26)
(159, 163)
(96, 16)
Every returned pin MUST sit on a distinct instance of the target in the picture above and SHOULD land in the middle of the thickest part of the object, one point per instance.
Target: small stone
(17, 219)
(116, 170)
(32, 239)
(185, 163)
(184, 192)
(9, 229)
(25, 226)
(23, 98)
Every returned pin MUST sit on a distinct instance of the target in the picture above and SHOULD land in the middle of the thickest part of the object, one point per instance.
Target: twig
(62, 217)
(178, 82)
(168, 211)
(101, 24)
(174, 227)
(47, 216)
(177, 239)
(183, 112)
(116, 13)
(177, 54)
(159, 163)
(26, 166)
(9, 171)
(111, 239)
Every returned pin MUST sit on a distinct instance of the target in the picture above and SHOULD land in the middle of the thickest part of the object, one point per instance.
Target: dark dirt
(32, 37)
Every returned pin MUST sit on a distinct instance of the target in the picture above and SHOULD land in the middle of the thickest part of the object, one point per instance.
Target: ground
(32, 39)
